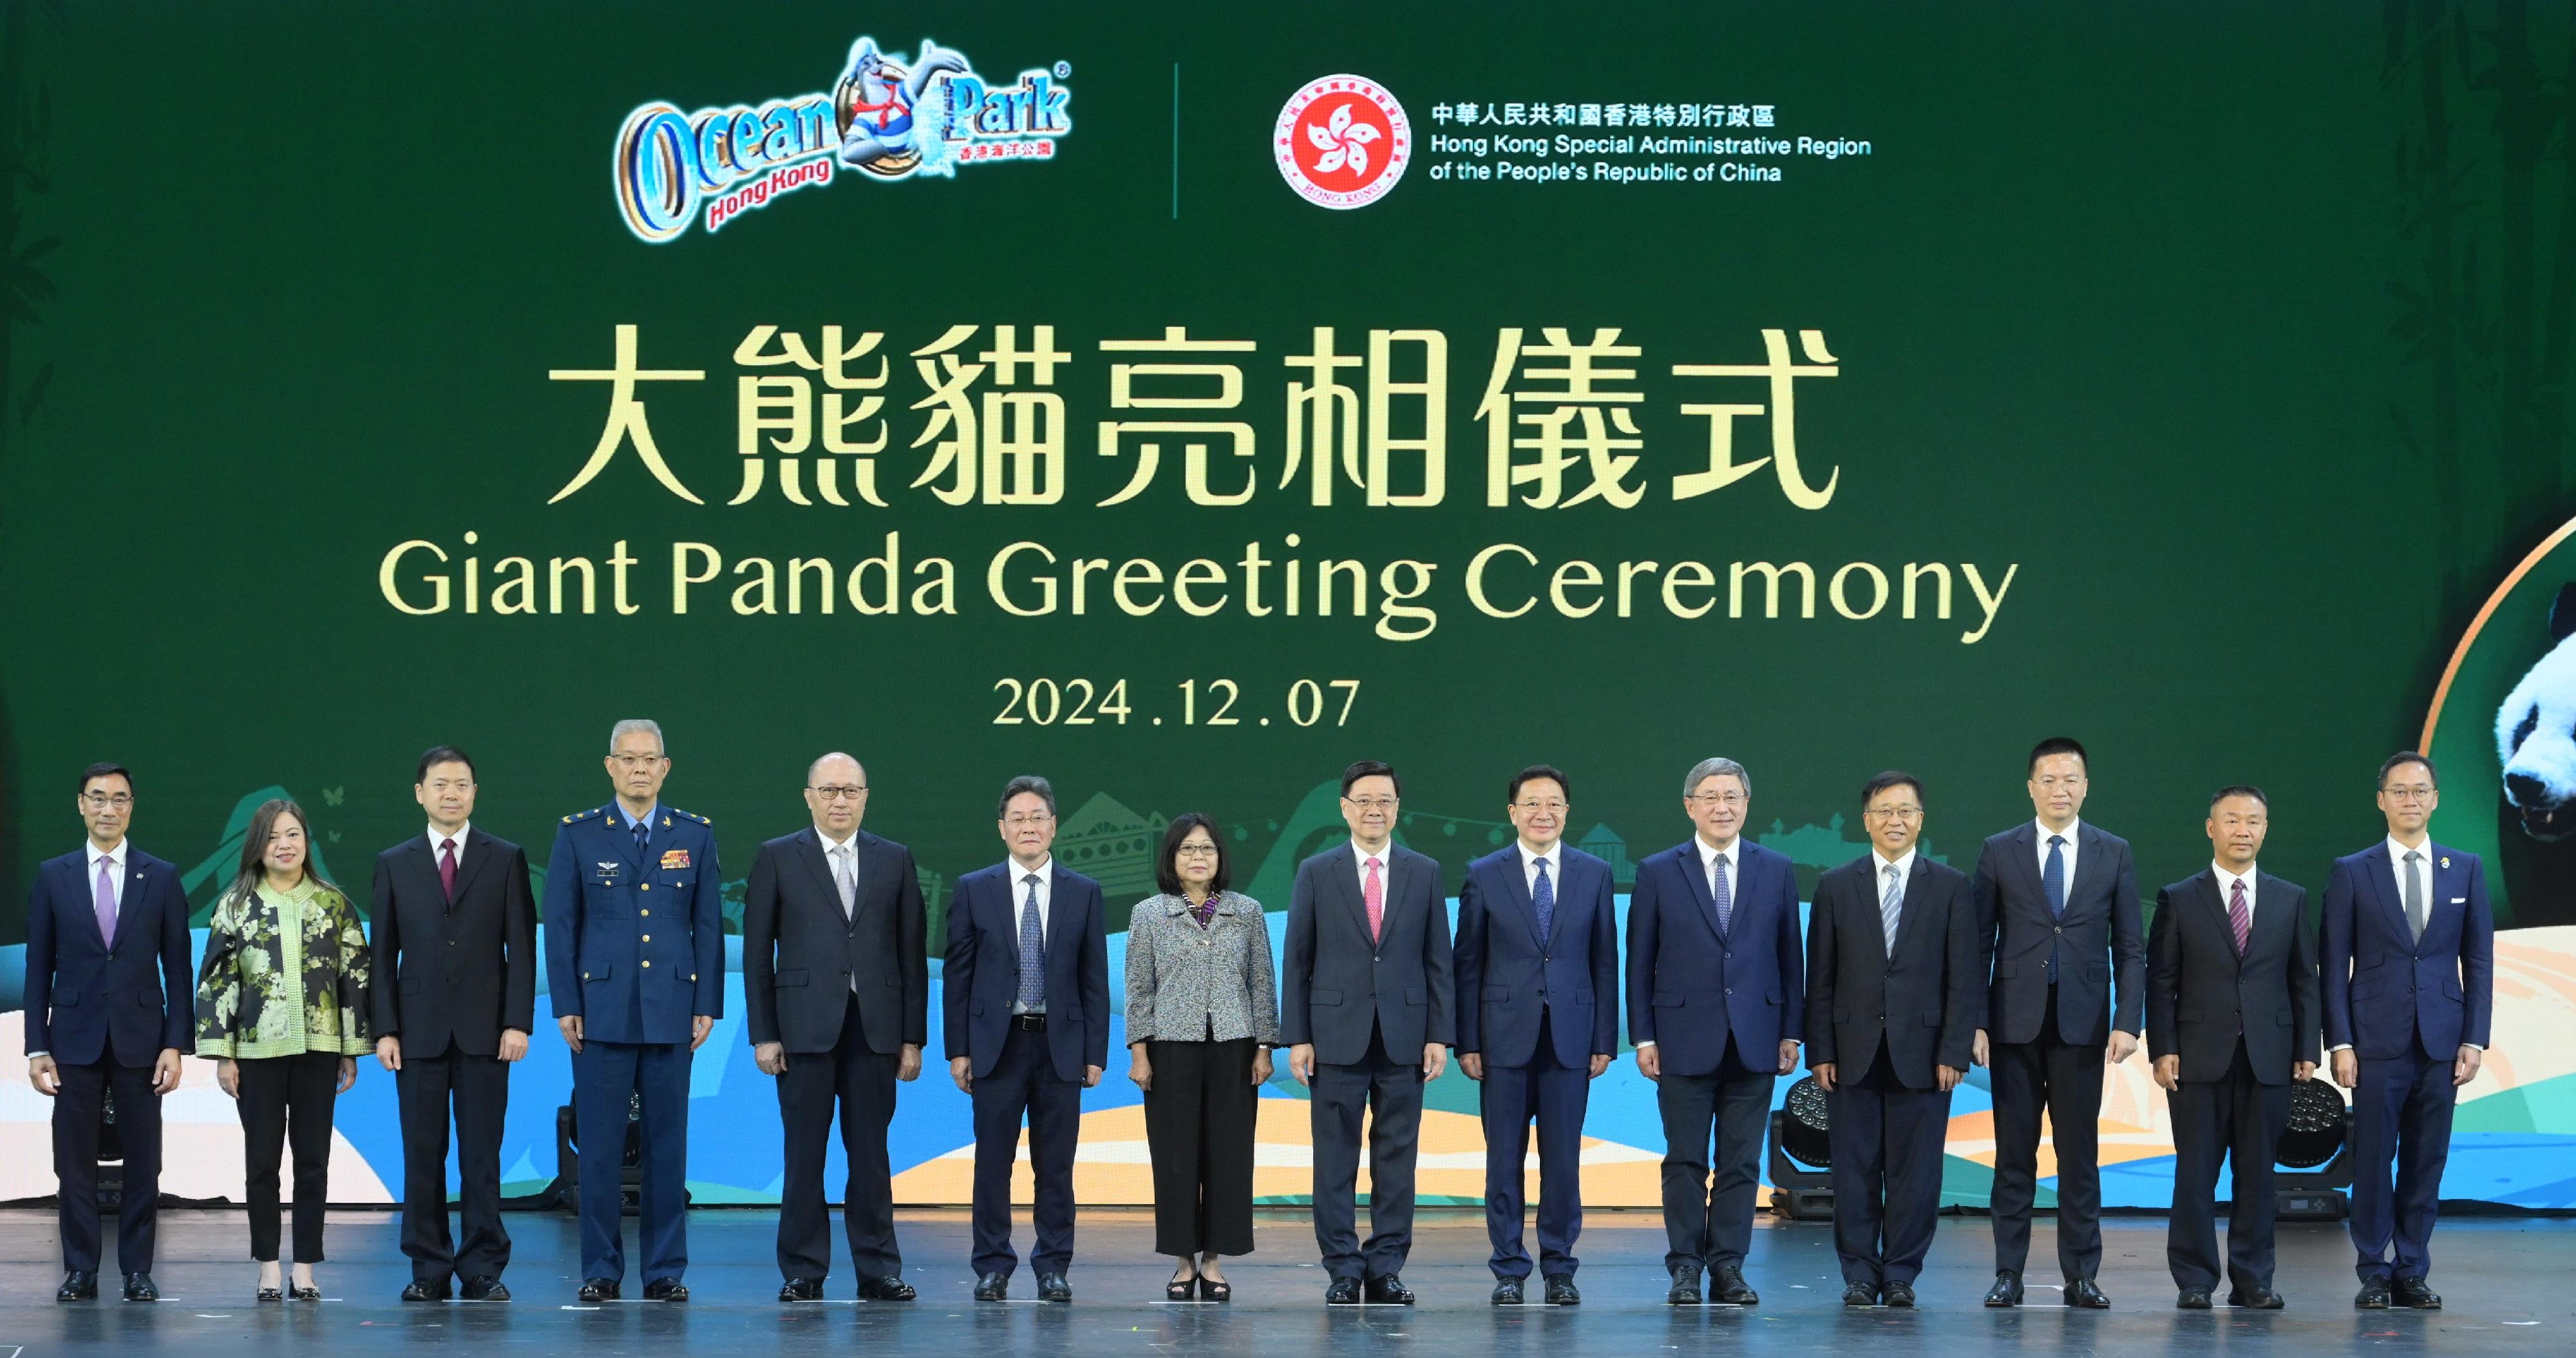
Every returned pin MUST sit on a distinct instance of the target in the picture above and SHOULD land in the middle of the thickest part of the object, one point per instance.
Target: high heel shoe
(303, 1292)
(271, 1294)
(1178, 1289)
(1215, 1289)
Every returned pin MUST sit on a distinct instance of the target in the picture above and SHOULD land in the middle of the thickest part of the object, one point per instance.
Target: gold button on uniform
(648, 962)
(648, 886)
(646, 913)
(648, 938)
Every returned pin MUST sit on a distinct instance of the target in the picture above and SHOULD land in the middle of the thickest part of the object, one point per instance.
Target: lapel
(1695, 874)
(2382, 876)
(809, 851)
(2025, 865)
(1748, 878)
(1918, 889)
(478, 854)
(2092, 861)
(1346, 880)
(1516, 888)
(420, 867)
(1059, 922)
(612, 819)
(2205, 884)
(83, 890)
(2448, 882)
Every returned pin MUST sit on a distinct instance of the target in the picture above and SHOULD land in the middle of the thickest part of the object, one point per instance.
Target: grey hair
(1026, 782)
(836, 754)
(632, 725)
(1713, 766)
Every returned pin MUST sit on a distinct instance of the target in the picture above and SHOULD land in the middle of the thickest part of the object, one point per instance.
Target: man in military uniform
(635, 965)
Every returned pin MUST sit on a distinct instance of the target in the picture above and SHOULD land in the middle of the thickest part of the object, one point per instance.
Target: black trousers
(138, 1125)
(1887, 1140)
(1024, 1083)
(2065, 1080)
(286, 1101)
(2237, 1119)
(861, 1082)
(1708, 1219)
(475, 1090)
(1198, 1128)
(1388, 1092)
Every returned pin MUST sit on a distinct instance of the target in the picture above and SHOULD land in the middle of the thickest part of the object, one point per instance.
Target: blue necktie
(1725, 894)
(643, 836)
(1543, 896)
(1032, 953)
(2052, 881)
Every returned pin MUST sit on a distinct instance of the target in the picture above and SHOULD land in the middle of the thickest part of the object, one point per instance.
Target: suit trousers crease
(862, 1082)
(476, 1090)
(286, 1102)
(1199, 1120)
(2064, 1079)
(77, 1107)
(2402, 1108)
(1024, 1083)
(1388, 1092)
(606, 1077)
(1708, 1219)
(2240, 1120)
(1510, 1099)
(1887, 1144)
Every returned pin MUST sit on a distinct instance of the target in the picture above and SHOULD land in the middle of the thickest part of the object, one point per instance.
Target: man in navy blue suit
(99, 923)
(2409, 960)
(1026, 990)
(634, 922)
(1717, 1007)
(1538, 1018)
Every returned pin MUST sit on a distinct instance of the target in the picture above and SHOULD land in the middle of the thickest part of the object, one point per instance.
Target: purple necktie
(107, 901)
(2240, 917)
(447, 868)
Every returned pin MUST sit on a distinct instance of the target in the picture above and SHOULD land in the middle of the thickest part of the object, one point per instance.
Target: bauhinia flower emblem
(1344, 143)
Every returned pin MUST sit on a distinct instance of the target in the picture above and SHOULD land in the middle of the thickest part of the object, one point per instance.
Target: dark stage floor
(2510, 1285)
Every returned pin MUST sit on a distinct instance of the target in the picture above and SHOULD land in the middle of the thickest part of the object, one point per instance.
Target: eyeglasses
(1719, 798)
(1372, 803)
(1895, 812)
(2413, 792)
(1023, 822)
(839, 792)
(1195, 851)
(1552, 807)
(97, 802)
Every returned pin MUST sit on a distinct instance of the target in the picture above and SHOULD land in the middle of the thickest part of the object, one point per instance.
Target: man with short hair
(101, 1024)
(1366, 989)
(634, 924)
(2409, 955)
(2058, 921)
(1026, 987)
(456, 981)
(837, 986)
(1717, 1008)
(2231, 1024)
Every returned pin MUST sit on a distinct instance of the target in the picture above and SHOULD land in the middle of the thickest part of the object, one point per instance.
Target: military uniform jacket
(635, 942)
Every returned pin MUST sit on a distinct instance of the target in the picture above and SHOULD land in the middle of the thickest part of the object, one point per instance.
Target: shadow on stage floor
(2507, 1283)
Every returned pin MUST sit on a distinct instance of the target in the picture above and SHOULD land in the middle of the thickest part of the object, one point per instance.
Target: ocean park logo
(891, 116)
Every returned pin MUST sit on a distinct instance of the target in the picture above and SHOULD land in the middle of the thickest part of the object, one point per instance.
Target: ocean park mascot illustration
(874, 106)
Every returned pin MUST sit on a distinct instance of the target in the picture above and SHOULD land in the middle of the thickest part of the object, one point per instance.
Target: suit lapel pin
(2446, 860)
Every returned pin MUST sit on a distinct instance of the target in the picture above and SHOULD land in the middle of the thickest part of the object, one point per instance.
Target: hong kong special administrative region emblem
(1342, 141)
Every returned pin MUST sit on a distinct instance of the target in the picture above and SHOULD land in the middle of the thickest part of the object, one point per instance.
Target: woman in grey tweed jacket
(1202, 1016)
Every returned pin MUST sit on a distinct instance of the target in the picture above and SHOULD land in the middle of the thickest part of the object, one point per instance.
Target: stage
(2504, 1281)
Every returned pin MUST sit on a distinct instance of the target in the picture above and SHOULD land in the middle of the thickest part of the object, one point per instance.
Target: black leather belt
(1029, 1023)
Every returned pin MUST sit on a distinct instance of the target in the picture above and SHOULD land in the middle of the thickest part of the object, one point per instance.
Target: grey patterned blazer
(1188, 984)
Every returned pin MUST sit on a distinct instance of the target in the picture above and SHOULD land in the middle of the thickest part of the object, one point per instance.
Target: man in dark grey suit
(2057, 916)
(1892, 1005)
(2232, 1020)
(837, 985)
(1366, 1006)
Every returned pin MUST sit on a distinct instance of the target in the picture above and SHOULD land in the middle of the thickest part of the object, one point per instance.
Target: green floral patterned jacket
(285, 973)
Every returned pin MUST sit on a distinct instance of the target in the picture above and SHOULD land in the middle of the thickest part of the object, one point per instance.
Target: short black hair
(443, 754)
(105, 770)
(1167, 872)
(1889, 779)
(2404, 757)
(2239, 790)
(1026, 782)
(1513, 793)
(1370, 768)
(2060, 745)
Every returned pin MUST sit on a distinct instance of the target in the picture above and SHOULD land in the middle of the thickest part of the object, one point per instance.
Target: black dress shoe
(1507, 1291)
(993, 1287)
(2415, 1293)
(2255, 1299)
(2192, 1299)
(485, 1287)
(1561, 1291)
(2373, 1295)
(1685, 1288)
(422, 1289)
(666, 1289)
(1053, 1287)
(2007, 1289)
(78, 1285)
(1859, 1294)
(2082, 1292)
(1386, 1289)
(891, 1287)
(138, 1287)
(304, 1293)
(801, 1289)
(599, 1289)
(1899, 1295)
(1726, 1287)
(1343, 1292)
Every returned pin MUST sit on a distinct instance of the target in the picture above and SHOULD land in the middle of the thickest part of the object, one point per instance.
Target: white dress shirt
(2073, 833)
(1553, 856)
(436, 839)
(1019, 878)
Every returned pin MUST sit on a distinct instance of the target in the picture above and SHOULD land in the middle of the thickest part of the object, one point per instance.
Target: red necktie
(2238, 916)
(1373, 893)
(447, 868)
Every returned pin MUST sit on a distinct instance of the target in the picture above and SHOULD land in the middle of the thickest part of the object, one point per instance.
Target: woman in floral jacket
(282, 1005)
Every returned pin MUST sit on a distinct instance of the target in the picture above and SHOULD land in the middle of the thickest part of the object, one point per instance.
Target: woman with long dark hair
(282, 1006)
(1202, 1016)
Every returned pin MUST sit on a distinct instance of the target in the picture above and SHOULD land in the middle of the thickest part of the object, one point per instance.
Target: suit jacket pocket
(1771, 996)
(974, 1006)
(1842, 1016)
(2189, 1016)
(1323, 997)
(1670, 999)
(1582, 997)
(2451, 989)
(2365, 987)
(790, 978)
(597, 972)
(2007, 969)
(2282, 1019)
(1931, 1018)
(66, 999)
(1416, 995)
(1496, 994)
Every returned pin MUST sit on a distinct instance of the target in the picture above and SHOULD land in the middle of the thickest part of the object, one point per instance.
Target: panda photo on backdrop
(2536, 744)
